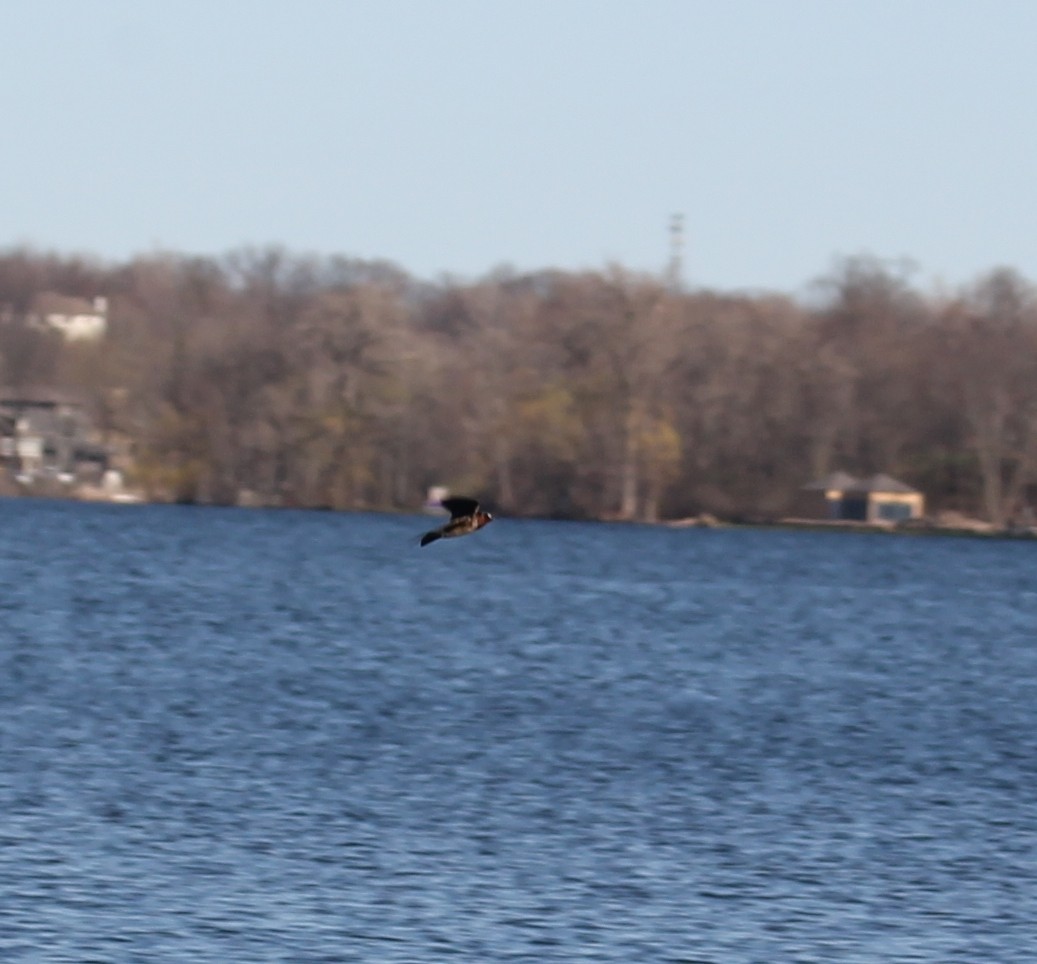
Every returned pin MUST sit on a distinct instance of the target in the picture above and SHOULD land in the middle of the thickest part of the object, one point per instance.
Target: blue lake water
(237, 736)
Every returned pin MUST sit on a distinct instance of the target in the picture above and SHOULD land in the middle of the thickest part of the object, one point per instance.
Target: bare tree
(996, 328)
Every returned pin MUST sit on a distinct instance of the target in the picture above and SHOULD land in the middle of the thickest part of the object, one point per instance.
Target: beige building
(841, 497)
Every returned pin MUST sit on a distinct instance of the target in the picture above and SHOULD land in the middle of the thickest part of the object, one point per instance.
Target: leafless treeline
(332, 382)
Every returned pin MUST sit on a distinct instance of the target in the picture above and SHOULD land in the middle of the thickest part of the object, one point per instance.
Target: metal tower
(675, 269)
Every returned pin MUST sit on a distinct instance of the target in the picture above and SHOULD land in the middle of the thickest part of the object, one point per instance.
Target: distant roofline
(845, 482)
(40, 395)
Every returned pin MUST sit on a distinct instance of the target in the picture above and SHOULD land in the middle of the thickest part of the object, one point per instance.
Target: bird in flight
(465, 517)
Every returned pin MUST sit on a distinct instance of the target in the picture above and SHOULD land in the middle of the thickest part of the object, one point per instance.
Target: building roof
(844, 482)
(52, 303)
(39, 395)
(885, 483)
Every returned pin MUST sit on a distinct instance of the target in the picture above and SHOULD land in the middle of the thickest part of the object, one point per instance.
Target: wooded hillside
(332, 382)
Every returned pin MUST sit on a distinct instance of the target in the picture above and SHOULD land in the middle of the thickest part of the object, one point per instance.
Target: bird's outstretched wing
(460, 506)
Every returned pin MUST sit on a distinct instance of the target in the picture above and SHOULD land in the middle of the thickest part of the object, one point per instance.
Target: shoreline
(945, 524)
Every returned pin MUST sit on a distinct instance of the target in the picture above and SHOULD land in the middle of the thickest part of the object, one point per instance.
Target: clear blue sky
(453, 136)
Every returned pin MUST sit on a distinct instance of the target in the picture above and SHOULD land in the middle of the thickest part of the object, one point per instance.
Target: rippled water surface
(237, 736)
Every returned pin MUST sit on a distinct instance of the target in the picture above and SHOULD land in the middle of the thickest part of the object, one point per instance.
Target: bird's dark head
(483, 518)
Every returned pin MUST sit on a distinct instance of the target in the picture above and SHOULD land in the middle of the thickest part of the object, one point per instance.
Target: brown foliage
(332, 382)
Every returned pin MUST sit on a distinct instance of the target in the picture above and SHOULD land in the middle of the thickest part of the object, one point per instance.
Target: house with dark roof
(78, 319)
(841, 497)
(47, 434)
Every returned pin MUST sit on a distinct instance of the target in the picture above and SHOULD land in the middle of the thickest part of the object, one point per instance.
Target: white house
(76, 318)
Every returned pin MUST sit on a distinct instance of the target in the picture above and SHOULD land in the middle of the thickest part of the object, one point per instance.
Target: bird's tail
(430, 537)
